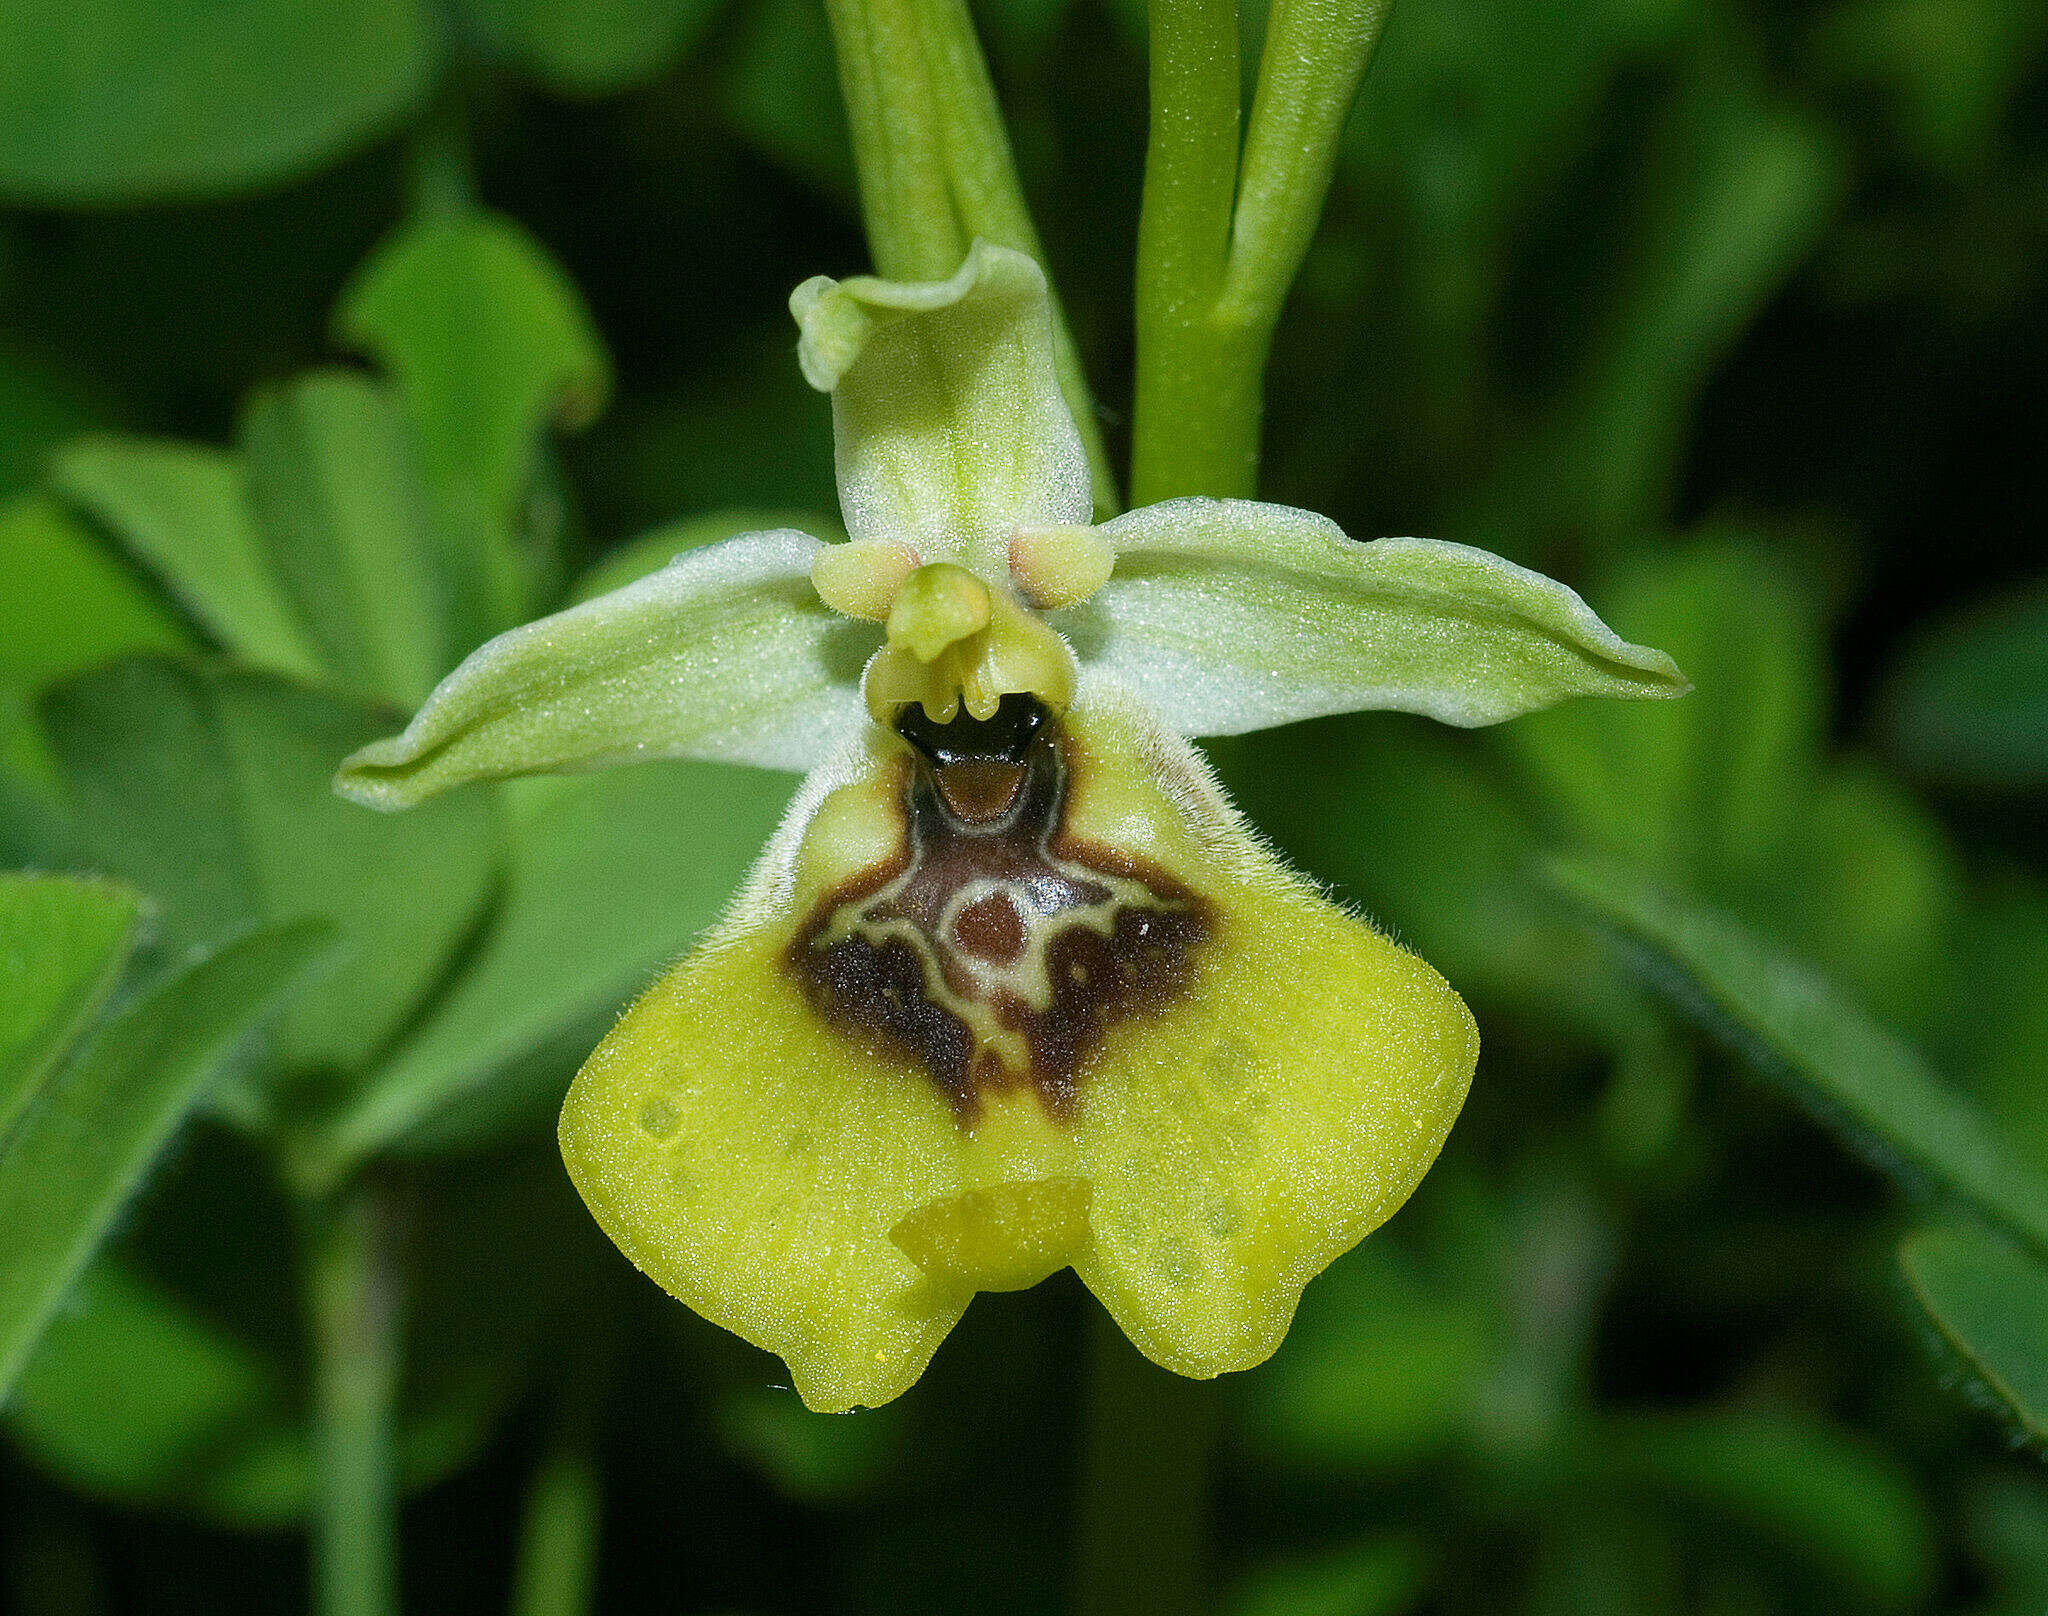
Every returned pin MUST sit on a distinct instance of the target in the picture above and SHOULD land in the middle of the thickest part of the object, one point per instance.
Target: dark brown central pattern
(995, 948)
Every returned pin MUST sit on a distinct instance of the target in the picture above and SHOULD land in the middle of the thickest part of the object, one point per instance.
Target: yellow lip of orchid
(1013, 988)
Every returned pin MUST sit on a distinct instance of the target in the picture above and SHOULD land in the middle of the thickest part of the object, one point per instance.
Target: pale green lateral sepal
(725, 654)
(950, 432)
(1229, 615)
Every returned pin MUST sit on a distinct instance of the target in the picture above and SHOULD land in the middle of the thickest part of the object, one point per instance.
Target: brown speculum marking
(996, 948)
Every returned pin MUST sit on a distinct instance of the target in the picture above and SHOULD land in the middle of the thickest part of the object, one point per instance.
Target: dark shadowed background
(1732, 315)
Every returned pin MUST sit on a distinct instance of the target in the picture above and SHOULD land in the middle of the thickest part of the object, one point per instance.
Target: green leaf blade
(184, 512)
(488, 343)
(1812, 1491)
(1707, 788)
(208, 790)
(63, 943)
(592, 47)
(1970, 700)
(81, 1149)
(1785, 1020)
(64, 605)
(609, 878)
(338, 492)
(1990, 1303)
(125, 101)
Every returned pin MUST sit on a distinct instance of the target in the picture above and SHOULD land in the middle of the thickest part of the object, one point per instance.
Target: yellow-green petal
(1258, 1129)
(821, 1195)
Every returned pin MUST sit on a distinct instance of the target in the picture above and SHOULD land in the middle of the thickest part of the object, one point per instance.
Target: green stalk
(1316, 54)
(1149, 1442)
(905, 193)
(556, 1574)
(1217, 252)
(355, 1304)
(1187, 436)
(935, 166)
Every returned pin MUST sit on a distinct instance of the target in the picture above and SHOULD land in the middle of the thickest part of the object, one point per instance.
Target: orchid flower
(1013, 988)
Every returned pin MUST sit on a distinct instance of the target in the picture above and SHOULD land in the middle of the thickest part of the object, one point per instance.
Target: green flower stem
(1217, 252)
(1196, 424)
(906, 195)
(354, 1294)
(1316, 54)
(1144, 1503)
(935, 165)
(558, 1536)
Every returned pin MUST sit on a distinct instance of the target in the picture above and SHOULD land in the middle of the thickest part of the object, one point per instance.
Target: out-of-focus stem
(1148, 1449)
(558, 1539)
(355, 1305)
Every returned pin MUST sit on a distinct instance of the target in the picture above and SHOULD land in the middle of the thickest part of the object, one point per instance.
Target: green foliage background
(336, 335)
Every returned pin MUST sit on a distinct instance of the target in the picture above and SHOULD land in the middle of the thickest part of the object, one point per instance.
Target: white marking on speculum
(1026, 979)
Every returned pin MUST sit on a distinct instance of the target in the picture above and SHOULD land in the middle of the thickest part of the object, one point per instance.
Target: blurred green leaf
(64, 606)
(183, 511)
(1865, 882)
(124, 101)
(89, 1136)
(1377, 1371)
(1621, 1561)
(2005, 1521)
(1969, 700)
(782, 95)
(1743, 189)
(143, 1394)
(40, 409)
(1421, 826)
(63, 942)
(1475, 136)
(1732, 194)
(1705, 788)
(209, 789)
(135, 1395)
(1728, 791)
(1777, 1013)
(1990, 1303)
(1815, 1493)
(1951, 67)
(338, 492)
(1998, 1030)
(1381, 1576)
(487, 342)
(817, 1459)
(609, 877)
(592, 47)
